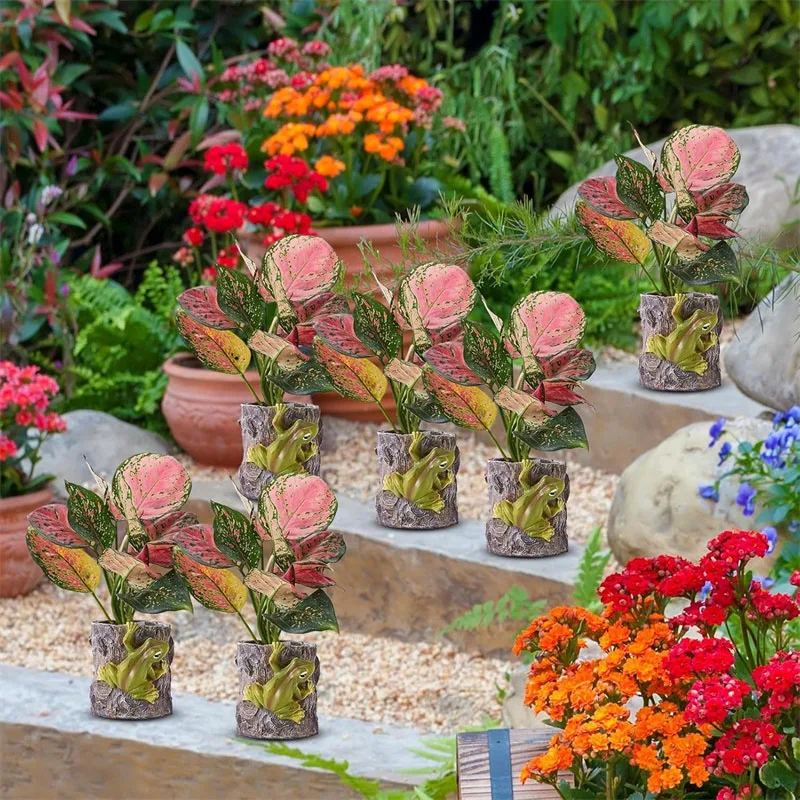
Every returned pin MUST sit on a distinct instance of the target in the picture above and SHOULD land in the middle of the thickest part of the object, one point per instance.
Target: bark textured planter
(19, 574)
(282, 706)
(430, 465)
(680, 351)
(507, 539)
(259, 428)
(110, 652)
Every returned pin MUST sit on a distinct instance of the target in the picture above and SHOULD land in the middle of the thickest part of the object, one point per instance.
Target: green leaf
(376, 327)
(313, 613)
(779, 775)
(486, 355)
(235, 536)
(90, 517)
(638, 188)
(426, 408)
(308, 379)
(143, 20)
(198, 118)
(716, 265)
(240, 299)
(590, 572)
(65, 218)
(167, 593)
(189, 62)
(562, 432)
(423, 192)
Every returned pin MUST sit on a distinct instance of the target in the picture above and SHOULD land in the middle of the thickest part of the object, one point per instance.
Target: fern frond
(590, 572)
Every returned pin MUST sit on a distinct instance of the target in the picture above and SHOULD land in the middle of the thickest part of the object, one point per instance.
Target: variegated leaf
(279, 351)
(68, 568)
(405, 373)
(217, 589)
(52, 522)
(727, 199)
(699, 157)
(562, 432)
(715, 265)
(197, 541)
(135, 572)
(354, 378)
(712, 226)
(543, 324)
(313, 613)
(601, 195)
(309, 378)
(150, 485)
(156, 528)
(376, 327)
(167, 593)
(270, 585)
(617, 238)
(466, 406)
(486, 355)
(638, 188)
(338, 331)
(296, 506)
(201, 304)
(221, 351)
(239, 298)
(312, 576)
(90, 517)
(325, 547)
(524, 405)
(447, 358)
(235, 536)
(677, 239)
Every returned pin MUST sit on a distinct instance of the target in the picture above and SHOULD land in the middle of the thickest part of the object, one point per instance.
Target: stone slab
(50, 746)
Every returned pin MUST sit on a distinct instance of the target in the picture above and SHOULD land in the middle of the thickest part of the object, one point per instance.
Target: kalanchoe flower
(745, 498)
(716, 430)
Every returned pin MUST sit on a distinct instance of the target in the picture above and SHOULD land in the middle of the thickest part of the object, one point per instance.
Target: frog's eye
(707, 326)
(443, 463)
(303, 674)
(553, 492)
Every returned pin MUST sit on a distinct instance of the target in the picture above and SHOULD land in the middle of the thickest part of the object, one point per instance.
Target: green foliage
(590, 572)
(515, 606)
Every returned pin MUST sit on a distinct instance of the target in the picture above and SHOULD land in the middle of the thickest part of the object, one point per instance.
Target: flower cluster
(226, 158)
(25, 422)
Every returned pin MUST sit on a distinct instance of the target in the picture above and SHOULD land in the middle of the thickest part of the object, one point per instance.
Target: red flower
(193, 237)
(263, 214)
(225, 158)
(746, 743)
(709, 700)
(770, 606)
(228, 257)
(217, 214)
(699, 658)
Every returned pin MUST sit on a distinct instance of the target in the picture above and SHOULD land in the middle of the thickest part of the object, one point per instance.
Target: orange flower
(291, 138)
(329, 167)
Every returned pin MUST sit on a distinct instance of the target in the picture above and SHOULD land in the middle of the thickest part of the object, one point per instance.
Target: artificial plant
(77, 544)
(285, 585)
(673, 218)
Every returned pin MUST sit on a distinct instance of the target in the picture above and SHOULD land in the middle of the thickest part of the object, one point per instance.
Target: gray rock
(103, 440)
(657, 507)
(764, 359)
(769, 169)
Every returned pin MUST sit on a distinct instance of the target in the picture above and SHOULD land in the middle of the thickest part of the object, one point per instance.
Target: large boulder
(769, 169)
(657, 507)
(96, 437)
(764, 359)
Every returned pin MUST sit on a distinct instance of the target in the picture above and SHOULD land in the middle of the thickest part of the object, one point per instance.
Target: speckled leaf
(727, 199)
(201, 304)
(638, 188)
(235, 536)
(558, 393)
(466, 406)
(270, 585)
(325, 547)
(282, 353)
(338, 331)
(545, 323)
(217, 589)
(485, 354)
(310, 378)
(221, 351)
(406, 373)
(156, 528)
(601, 195)
(573, 364)
(562, 432)
(296, 506)
(524, 405)
(135, 572)
(240, 300)
(67, 568)
(150, 485)
(713, 266)
(712, 226)
(312, 576)
(322, 304)
(681, 241)
(197, 541)
(90, 517)
(447, 358)
(354, 378)
(376, 326)
(314, 613)
(168, 593)
(51, 521)
(699, 157)
(426, 407)
(617, 238)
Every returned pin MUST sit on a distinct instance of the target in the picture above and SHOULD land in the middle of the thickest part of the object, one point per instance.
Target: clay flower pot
(18, 572)
(417, 476)
(277, 690)
(202, 410)
(284, 438)
(680, 335)
(132, 677)
(528, 502)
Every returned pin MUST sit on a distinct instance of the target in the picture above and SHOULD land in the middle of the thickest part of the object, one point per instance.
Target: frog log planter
(418, 479)
(680, 338)
(277, 690)
(284, 439)
(528, 502)
(132, 677)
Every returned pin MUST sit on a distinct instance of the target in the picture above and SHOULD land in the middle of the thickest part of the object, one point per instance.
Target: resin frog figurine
(137, 672)
(535, 507)
(422, 485)
(692, 336)
(286, 689)
(291, 447)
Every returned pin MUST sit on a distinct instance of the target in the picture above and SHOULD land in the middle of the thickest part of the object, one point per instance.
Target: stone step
(51, 746)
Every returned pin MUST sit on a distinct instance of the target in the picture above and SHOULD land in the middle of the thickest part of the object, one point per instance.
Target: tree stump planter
(19, 573)
(258, 427)
(505, 539)
(395, 458)
(253, 661)
(108, 648)
(661, 374)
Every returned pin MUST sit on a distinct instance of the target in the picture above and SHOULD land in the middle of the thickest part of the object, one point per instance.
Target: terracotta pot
(394, 458)
(547, 534)
(298, 718)
(692, 371)
(150, 700)
(18, 572)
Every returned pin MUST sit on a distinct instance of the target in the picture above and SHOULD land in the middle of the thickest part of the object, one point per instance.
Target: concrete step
(51, 746)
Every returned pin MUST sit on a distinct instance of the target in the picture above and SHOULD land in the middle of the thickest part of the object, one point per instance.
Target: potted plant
(361, 354)
(265, 318)
(25, 423)
(527, 495)
(286, 587)
(77, 547)
(673, 220)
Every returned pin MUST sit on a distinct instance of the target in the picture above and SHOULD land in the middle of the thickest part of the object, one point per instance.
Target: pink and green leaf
(466, 406)
(620, 239)
(150, 485)
(338, 331)
(727, 199)
(135, 571)
(447, 358)
(543, 324)
(235, 536)
(699, 157)
(325, 547)
(239, 298)
(90, 517)
(216, 589)
(525, 405)
(296, 506)
(278, 350)
(197, 541)
(221, 351)
(682, 242)
(638, 188)
(375, 325)
(486, 355)
(68, 568)
(601, 195)
(313, 613)
(201, 304)
(354, 378)
(51, 521)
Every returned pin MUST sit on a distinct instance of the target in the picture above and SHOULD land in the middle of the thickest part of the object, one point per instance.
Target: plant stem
(388, 418)
(499, 446)
(249, 629)
(102, 608)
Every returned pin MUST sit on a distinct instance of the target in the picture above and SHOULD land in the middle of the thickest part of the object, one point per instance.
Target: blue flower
(778, 418)
(765, 583)
(746, 497)
(794, 413)
(772, 538)
(724, 452)
(794, 526)
(705, 591)
(716, 430)
(709, 491)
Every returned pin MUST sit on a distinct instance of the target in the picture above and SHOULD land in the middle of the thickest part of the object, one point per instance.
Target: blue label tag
(500, 765)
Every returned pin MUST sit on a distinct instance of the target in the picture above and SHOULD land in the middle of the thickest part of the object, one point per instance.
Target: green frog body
(292, 446)
(428, 476)
(137, 673)
(286, 689)
(534, 509)
(692, 337)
